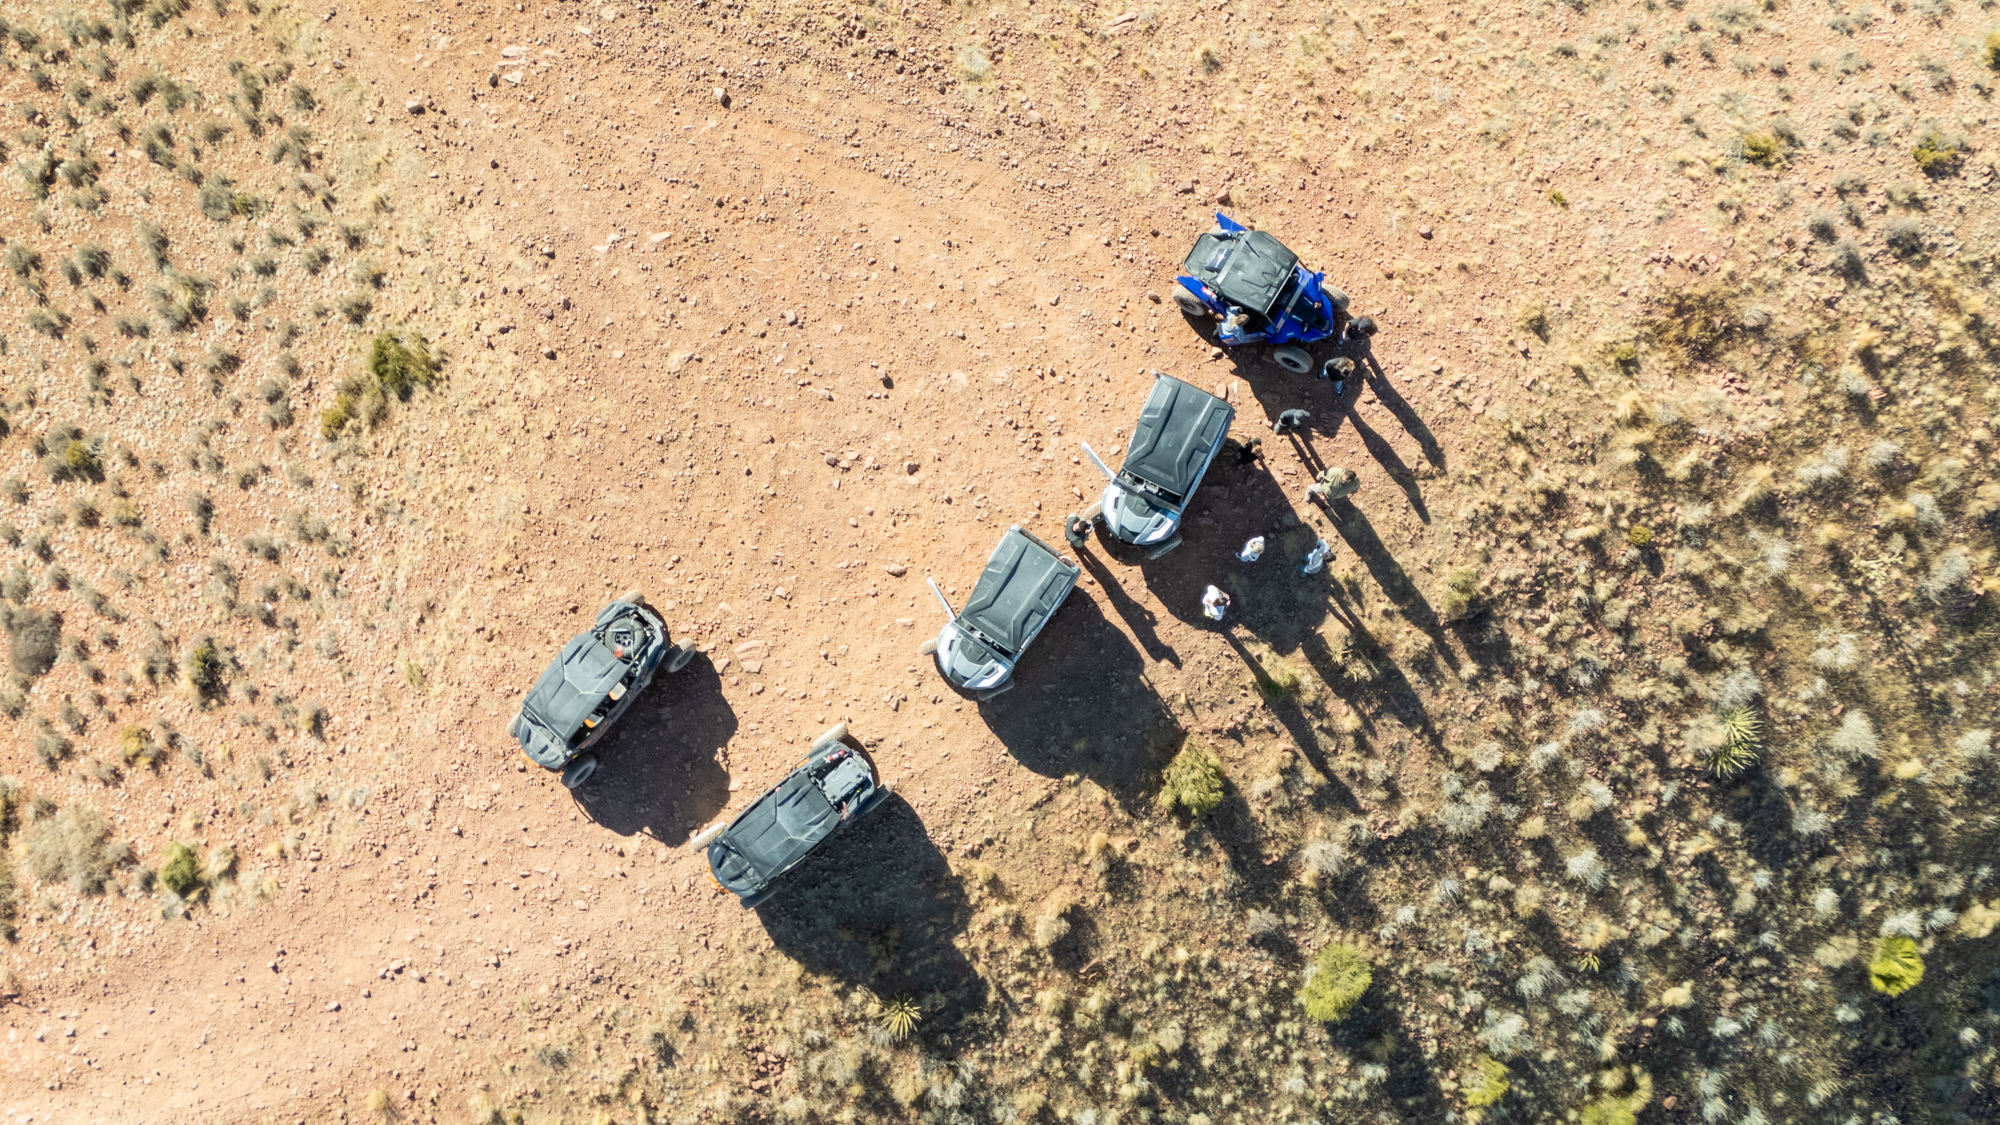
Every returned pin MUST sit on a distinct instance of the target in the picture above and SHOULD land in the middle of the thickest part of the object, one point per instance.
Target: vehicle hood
(542, 746)
(966, 660)
(772, 834)
(1136, 518)
(1022, 584)
(1176, 435)
(574, 684)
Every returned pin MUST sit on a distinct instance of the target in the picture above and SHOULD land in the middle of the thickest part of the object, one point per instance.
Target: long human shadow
(1392, 463)
(1137, 617)
(1083, 704)
(1293, 718)
(658, 774)
(877, 906)
(1353, 527)
(1393, 400)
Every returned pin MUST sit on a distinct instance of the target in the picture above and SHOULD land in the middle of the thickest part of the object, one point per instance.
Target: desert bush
(74, 846)
(1339, 976)
(1763, 149)
(205, 669)
(34, 639)
(1904, 235)
(1937, 154)
(181, 869)
(1461, 594)
(1192, 783)
(401, 364)
(180, 300)
(1898, 966)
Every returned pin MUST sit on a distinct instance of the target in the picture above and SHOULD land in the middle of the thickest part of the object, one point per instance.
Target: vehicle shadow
(878, 906)
(658, 772)
(1085, 705)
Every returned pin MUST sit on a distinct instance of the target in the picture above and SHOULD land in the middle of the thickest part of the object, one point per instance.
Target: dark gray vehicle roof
(1249, 269)
(574, 684)
(1177, 431)
(1023, 583)
(782, 826)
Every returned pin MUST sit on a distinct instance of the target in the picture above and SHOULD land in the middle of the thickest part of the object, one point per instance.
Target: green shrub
(1609, 1111)
(1487, 1085)
(1192, 782)
(1461, 594)
(401, 366)
(1989, 52)
(1741, 738)
(1340, 976)
(1277, 683)
(182, 870)
(204, 668)
(1937, 155)
(1762, 148)
(1897, 966)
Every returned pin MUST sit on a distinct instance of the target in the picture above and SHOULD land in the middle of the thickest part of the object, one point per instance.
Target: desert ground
(1629, 760)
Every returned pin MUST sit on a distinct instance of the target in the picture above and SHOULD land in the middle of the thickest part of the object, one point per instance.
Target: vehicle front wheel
(928, 647)
(707, 835)
(1092, 513)
(1298, 361)
(835, 733)
(1190, 305)
(579, 771)
(1163, 548)
(633, 596)
(683, 653)
(755, 898)
(994, 693)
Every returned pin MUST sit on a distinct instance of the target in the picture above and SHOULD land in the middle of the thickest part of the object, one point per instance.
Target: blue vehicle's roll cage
(1302, 311)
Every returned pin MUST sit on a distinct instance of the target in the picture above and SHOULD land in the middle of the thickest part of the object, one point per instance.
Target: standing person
(1291, 420)
(1252, 550)
(1334, 483)
(1338, 369)
(1316, 558)
(1076, 529)
(1214, 603)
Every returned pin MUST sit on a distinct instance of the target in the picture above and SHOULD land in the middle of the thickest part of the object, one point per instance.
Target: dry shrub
(74, 846)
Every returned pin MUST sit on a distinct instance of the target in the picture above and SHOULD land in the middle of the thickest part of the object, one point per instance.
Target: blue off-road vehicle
(1178, 433)
(1256, 287)
(833, 787)
(1024, 583)
(591, 683)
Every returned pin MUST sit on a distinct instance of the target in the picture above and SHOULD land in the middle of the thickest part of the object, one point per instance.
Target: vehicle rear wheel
(994, 693)
(578, 772)
(928, 647)
(1163, 548)
(1298, 361)
(1091, 513)
(835, 733)
(683, 653)
(1190, 305)
(707, 835)
(634, 596)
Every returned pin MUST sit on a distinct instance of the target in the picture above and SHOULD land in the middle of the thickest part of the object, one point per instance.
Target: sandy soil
(777, 356)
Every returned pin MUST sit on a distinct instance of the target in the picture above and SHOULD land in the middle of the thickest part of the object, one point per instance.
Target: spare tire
(1296, 360)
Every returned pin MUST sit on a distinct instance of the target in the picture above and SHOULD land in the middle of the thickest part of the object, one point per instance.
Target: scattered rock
(1034, 117)
(514, 76)
(511, 51)
(791, 318)
(722, 97)
(896, 570)
(413, 108)
(1423, 232)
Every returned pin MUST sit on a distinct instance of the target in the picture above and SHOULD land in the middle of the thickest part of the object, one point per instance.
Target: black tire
(1006, 686)
(1190, 305)
(683, 653)
(1095, 511)
(835, 733)
(1296, 360)
(1164, 548)
(633, 596)
(928, 648)
(756, 898)
(578, 773)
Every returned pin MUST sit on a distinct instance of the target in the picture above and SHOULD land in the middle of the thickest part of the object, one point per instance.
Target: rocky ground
(775, 312)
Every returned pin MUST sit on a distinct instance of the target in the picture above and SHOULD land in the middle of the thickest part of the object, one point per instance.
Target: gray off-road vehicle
(1179, 431)
(833, 787)
(1024, 583)
(590, 685)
